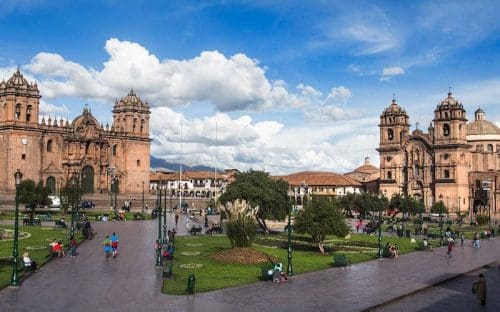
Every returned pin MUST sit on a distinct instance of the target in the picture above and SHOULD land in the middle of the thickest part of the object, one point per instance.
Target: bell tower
(394, 130)
(19, 101)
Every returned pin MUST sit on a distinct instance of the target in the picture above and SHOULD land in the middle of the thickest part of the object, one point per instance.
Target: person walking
(107, 246)
(479, 289)
(176, 219)
(73, 244)
(462, 239)
(114, 244)
(450, 248)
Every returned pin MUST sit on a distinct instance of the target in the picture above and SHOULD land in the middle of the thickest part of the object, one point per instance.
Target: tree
(33, 194)
(439, 207)
(322, 216)
(258, 189)
(414, 205)
(241, 228)
(398, 203)
(72, 193)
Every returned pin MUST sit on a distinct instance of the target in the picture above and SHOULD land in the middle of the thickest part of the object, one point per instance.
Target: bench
(214, 229)
(195, 230)
(60, 223)
(341, 260)
(35, 221)
(433, 235)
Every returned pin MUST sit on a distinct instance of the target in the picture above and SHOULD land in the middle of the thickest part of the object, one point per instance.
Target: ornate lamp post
(14, 280)
(73, 199)
(289, 267)
(115, 190)
(380, 252)
(441, 220)
(165, 216)
(158, 251)
(142, 197)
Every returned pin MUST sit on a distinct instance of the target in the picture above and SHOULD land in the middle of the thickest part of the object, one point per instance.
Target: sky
(280, 86)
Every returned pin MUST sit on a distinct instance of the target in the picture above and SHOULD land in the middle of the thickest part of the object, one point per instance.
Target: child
(73, 244)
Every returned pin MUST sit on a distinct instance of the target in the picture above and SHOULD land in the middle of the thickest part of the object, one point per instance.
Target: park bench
(214, 229)
(60, 223)
(195, 230)
(433, 235)
(341, 260)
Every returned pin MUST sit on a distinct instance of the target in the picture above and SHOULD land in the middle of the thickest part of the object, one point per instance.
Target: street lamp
(143, 197)
(158, 251)
(380, 253)
(165, 216)
(115, 189)
(73, 199)
(289, 270)
(441, 220)
(459, 215)
(14, 280)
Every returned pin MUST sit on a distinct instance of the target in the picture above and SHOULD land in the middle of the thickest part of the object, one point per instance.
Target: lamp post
(165, 217)
(441, 220)
(142, 197)
(289, 268)
(14, 280)
(115, 189)
(73, 199)
(158, 251)
(380, 253)
(459, 215)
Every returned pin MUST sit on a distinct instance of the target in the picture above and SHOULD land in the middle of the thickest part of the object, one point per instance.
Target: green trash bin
(191, 283)
(267, 272)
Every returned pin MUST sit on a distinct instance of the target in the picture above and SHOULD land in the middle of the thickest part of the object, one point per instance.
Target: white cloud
(354, 68)
(389, 72)
(339, 94)
(229, 83)
(308, 90)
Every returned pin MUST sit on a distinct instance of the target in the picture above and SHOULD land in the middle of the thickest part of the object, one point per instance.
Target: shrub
(482, 219)
(241, 231)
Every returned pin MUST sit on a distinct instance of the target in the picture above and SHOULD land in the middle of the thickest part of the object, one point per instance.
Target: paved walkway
(89, 282)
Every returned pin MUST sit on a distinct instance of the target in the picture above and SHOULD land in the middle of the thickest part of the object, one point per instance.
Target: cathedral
(456, 162)
(99, 158)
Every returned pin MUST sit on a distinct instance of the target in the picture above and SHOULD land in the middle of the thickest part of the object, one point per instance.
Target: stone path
(131, 282)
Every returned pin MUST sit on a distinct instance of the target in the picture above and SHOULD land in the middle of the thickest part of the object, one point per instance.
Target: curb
(380, 305)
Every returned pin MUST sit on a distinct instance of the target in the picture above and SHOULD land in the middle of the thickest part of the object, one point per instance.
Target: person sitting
(283, 277)
(28, 263)
(169, 252)
(58, 249)
(276, 275)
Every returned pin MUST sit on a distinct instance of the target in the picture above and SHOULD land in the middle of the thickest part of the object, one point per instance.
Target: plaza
(131, 282)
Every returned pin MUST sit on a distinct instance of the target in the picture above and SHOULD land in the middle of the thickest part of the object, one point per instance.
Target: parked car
(87, 204)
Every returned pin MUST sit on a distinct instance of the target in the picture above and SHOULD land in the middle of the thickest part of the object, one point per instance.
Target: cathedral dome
(449, 102)
(131, 100)
(482, 127)
(394, 108)
(85, 119)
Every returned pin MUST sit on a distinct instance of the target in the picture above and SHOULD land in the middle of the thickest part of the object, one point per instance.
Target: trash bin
(267, 272)
(191, 283)
(408, 233)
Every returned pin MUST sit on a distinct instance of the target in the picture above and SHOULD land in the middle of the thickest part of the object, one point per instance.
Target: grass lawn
(36, 244)
(215, 275)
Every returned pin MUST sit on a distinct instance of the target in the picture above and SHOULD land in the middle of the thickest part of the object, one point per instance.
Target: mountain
(160, 164)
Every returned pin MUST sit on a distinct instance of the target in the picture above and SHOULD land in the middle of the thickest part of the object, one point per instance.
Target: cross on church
(416, 125)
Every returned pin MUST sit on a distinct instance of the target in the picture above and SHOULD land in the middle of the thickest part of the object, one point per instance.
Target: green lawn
(213, 275)
(36, 244)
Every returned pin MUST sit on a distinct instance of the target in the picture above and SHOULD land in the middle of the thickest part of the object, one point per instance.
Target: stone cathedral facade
(56, 151)
(456, 161)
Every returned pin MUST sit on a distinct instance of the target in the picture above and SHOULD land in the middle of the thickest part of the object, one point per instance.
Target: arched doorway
(88, 180)
(51, 184)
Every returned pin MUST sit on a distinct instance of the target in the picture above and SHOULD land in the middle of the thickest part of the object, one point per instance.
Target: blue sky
(291, 85)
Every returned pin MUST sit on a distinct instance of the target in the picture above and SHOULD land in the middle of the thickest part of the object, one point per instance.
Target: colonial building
(455, 162)
(203, 184)
(56, 151)
(305, 184)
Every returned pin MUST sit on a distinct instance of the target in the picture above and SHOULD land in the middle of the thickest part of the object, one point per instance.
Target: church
(456, 161)
(99, 158)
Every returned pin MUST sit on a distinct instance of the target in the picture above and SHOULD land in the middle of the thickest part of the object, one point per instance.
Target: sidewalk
(132, 283)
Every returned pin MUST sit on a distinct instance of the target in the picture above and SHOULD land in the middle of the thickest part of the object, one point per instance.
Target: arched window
(446, 174)
(490, 148)
(478, 184)
(390, 134)
(114, 150)
(446, 129)
(17, 114)
(389, 175)
(445, 114)
(28, 113)
(49, 146)
(134, 125)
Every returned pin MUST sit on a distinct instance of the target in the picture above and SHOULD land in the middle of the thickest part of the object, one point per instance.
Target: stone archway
(87, 180)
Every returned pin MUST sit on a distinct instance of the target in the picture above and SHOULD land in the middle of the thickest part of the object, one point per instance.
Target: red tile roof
(319, 178)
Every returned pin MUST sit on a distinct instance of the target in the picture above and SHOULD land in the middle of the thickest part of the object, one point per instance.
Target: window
(23, 156)
(445, 114)
(446, 129)
(49, 146)
(114, 150)
(446, 174)
(478, 184)
(390, 134)
(445, 156)
(490, 148)
(138, 162)
(388, 158)
(17, 114)
(28, 113)
(389, 175)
